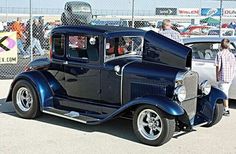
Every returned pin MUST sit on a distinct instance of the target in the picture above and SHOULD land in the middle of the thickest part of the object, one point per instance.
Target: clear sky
(122, 4)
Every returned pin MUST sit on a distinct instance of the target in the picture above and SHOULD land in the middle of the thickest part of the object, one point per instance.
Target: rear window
(58, 45)
(82, 47)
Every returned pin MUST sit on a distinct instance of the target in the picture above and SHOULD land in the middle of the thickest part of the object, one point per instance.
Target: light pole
(6, 11)
(31, 32)
(132, 13)
(221, 13)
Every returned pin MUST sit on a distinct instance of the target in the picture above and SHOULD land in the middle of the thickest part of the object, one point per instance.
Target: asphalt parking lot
(49, 134)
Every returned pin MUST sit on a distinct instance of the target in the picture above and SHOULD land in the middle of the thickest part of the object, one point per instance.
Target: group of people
(225, 62)
(23, 34)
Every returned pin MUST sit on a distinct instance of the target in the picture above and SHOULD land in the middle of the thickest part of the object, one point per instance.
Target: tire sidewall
(165, 126)
(217, 116)
(34, 109)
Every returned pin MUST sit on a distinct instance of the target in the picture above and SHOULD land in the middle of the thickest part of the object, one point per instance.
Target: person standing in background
(167, 31)
(18, 28)
(41, 31)
(36, 37)
(225, 71)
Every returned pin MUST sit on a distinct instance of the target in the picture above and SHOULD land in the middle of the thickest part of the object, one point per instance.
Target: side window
(83, 47)
(123, 46)
(58, 45)
(206, 51)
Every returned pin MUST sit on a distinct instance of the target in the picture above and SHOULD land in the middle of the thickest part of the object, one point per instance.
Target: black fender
(40, 84)
(170, 107)
(206, 105)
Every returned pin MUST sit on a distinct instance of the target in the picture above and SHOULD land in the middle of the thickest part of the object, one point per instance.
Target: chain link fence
(147, 16)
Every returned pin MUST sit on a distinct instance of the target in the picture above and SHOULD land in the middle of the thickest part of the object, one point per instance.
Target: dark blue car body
(98, 93)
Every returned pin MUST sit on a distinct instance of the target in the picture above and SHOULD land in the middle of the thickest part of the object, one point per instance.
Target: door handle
(65, 62)
(117, 70)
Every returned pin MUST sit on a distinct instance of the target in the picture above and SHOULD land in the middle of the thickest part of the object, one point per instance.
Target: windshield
(123, 46)
(80, 8)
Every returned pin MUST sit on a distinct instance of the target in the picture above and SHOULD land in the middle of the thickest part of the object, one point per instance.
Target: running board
(71, 115)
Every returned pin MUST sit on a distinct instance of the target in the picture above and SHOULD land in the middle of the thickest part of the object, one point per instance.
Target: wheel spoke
(151, 132)
(156, 118)
(22, 97)
(144, 124)
(27, 105)
(27, 93)
(148, 116)
(158, 128)
(28, 98)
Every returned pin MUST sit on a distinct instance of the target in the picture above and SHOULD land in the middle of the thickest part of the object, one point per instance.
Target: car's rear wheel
(218, 113)
(25, 100)
(152, 126)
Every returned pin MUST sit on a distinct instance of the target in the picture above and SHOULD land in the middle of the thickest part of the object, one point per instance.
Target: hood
(162, 50)
(83, 17)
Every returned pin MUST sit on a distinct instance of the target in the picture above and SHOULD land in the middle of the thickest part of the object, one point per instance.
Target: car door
(82, 71)
(58, 61)
(232, 90)
(110, 80)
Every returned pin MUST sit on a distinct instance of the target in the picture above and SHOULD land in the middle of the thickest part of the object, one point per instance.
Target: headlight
(205, 87)
(180, 92)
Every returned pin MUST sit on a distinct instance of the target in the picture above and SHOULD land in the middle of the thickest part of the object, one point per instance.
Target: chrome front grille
(190, 81)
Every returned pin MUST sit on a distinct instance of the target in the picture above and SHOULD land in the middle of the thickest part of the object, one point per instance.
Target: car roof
(99, 30)
(206, 39)
(77, 2)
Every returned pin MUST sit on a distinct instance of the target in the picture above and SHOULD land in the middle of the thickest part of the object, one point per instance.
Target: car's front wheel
(218, 113)
(25, 100)
(152, 126)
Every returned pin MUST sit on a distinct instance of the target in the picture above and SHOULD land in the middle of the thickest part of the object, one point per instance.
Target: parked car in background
(204, 50)
(76, 13)
(225, 32)
(106, 22)
(137, 23)
(47, 32)
(98, 73)
(195, 31)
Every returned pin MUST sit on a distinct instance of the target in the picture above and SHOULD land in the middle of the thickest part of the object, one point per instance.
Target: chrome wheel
(24, 99)
(149, 124)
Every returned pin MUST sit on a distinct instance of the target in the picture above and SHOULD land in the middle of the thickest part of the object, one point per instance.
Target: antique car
(204, 50)
(98, 73)
(76, 13)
